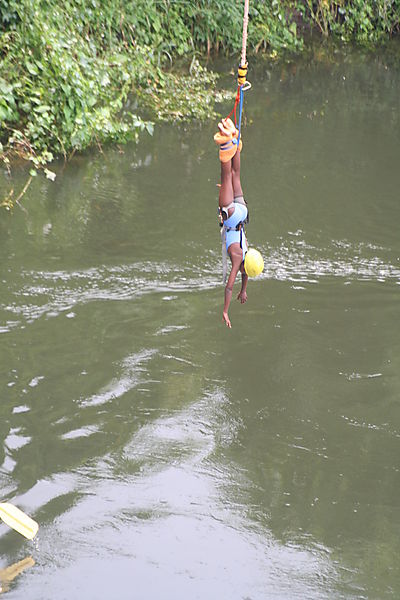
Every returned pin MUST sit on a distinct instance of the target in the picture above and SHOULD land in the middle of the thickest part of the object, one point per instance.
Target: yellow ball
(253, 262)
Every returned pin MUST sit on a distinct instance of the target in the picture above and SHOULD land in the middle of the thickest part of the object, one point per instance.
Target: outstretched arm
(236, 259)
(242, 295)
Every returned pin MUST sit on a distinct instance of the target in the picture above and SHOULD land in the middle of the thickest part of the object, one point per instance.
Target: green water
(163, 455)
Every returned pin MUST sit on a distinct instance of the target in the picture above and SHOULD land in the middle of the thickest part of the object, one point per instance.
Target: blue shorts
(233, 236)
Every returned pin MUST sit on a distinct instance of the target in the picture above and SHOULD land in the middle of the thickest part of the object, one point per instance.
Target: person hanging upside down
(233, 209)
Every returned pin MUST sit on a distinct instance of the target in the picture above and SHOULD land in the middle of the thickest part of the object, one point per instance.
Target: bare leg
(237, 187)
(226, 189)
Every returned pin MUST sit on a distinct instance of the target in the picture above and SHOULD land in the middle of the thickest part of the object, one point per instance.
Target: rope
(243, 84)
(240, 113)
(242, 71)
(244, 37)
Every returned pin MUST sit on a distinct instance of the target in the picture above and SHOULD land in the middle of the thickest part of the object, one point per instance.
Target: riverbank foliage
(84, 72)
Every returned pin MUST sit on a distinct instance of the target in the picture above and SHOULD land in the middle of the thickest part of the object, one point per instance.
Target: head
(253, 262)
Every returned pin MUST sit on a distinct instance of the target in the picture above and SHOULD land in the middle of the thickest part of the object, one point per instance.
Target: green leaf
(105, 80)
(33, 70)
(4, 113)
(44, 108)
(5, 87)
(67, 113)
(157, 25)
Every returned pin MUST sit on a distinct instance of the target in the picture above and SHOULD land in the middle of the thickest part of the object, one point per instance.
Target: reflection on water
(160, 452)
(163, 503)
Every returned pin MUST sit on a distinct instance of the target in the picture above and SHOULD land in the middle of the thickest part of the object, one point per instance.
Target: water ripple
(300, 262)
(132, 367)
(117, 512)
(51, 293)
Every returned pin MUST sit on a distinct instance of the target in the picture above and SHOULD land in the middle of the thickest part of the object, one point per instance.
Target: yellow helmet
(253, 262)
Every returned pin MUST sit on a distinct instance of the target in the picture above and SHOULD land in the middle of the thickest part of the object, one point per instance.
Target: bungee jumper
(233, 211)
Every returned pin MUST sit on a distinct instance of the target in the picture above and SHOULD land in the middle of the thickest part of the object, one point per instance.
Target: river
(163, 455)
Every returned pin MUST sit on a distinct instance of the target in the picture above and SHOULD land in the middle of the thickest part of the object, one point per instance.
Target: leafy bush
(67, 72)
(364, 22)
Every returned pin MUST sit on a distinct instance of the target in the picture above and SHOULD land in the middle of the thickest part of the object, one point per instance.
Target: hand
(242, 296)
(226, 319)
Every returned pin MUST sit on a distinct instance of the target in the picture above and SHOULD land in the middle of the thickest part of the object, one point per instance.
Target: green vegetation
(362, 21)
(69, 70)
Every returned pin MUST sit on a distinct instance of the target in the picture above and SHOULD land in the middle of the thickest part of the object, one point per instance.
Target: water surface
(163, 455)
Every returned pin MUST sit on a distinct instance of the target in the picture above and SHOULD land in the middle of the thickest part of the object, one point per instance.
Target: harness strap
(238, 227)
(224, 209)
